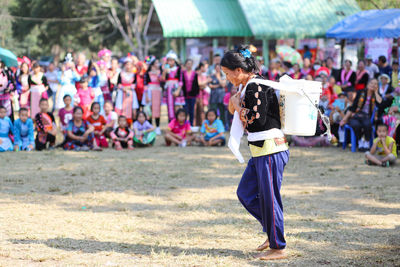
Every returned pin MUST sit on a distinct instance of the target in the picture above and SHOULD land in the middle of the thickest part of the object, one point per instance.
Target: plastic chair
(353, 137)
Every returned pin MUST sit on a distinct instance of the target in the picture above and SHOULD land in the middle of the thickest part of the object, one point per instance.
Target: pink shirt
(86, 96)
(179, 129)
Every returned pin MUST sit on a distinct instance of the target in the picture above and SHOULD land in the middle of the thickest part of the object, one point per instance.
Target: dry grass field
(178, 207)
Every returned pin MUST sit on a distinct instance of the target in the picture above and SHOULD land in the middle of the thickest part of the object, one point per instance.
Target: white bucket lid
(295, 86)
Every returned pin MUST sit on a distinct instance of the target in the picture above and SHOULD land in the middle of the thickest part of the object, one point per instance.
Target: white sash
(237, 129)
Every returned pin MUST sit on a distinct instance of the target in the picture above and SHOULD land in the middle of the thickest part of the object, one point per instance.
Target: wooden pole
(265, 52)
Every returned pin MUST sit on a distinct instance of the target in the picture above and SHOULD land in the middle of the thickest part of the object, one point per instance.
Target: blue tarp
(368, 24)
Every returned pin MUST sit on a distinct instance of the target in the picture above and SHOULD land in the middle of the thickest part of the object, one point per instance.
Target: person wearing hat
(385, 88)
(395, 74)
(173, 84)
(372, 69)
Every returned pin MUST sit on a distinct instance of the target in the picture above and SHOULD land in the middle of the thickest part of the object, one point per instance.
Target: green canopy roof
(281, 19)
(201, 18)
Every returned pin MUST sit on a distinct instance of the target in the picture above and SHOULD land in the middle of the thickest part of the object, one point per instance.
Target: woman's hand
(234, 103)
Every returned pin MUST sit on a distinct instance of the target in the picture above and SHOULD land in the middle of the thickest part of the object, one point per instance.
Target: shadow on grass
(94, 246)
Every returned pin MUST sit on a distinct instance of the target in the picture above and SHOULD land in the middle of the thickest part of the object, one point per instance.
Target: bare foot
(265, 245)
(272, 254)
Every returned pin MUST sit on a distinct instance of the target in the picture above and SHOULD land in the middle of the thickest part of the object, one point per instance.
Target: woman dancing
(256, 110)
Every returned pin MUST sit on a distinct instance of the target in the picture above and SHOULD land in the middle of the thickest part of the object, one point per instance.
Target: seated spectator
(383, 151)
(23, 129)
(145, 134)
(45, 126)
(80, 135)
(359, 115)
(339, 108)
(179, 131)
(297, 75)
(212, 130)
(99, 124)
(6, 128)
(122, 136)
(385, 88)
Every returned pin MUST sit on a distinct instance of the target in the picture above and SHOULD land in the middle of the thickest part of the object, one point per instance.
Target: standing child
(85, 97)
(23, 129)
(145, 134)
(6, 127)
(65, 113)
(45, 127)
(153, 92)
(383, 151)
(99, 123)
(179, 131)
(212, 129)
(122, 136)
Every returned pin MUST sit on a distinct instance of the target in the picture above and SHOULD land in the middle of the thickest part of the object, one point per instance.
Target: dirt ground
(178, 207)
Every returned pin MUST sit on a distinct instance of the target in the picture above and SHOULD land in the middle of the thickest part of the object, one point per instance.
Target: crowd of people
(108, 101)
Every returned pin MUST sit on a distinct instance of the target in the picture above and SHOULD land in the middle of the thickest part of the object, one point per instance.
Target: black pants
(51, 139)
(361, 124)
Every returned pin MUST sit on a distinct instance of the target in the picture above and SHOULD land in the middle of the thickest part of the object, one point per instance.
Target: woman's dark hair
(35, 65)
(179, 111)
(94, 104)
(212, 111)
(234, 59)
(141, 112)
(43, 100)
(348, 60)
(66, 97)
(24, 63)
(76, 109)
(2, 107)
(23, 109)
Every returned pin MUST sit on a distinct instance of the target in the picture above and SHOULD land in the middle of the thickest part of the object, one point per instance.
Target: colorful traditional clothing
(24, 92)
(153, 92)
(38, 89)
(23, 134)
(190, 87)
(6, 128)
(44, 124)
(6, 86)
(347, 78)
(126, 96)
(172, 84)
(259, 188)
